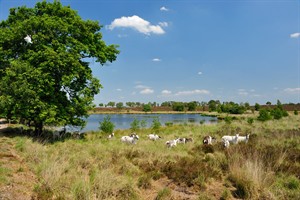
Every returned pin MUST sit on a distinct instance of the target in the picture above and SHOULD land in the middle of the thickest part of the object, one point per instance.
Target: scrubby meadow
(267, 167)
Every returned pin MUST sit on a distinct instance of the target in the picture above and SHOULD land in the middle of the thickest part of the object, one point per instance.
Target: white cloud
(200, 73)
(137, 23)
(166, 92)
(163, 24)
(147, 91)
(141, 87)
(243, 93)
(119, 90)
(164, 9)
(292, 90)
(156, 60)
(192, 92)
(295, 35)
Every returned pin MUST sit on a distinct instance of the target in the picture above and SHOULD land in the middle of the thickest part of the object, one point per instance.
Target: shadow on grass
(46, 137)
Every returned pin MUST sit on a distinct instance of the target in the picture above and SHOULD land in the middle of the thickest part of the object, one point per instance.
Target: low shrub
(245, 188)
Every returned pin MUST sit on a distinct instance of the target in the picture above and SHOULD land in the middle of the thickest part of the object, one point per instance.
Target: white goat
(153, 137)
(208, 140)
(243, 138)
(171, 143)
(226, 143)
(110, 136)
(181, 140)
(231, 139)
(130, 139)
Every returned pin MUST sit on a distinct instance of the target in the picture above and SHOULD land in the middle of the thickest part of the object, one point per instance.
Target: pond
(123, 121)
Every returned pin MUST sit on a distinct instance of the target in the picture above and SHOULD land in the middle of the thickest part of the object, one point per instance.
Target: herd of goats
(207, 140)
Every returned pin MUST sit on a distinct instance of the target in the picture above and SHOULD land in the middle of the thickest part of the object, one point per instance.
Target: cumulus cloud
(295, 35)
(136, 23)
(200, 73)
(163, 24)
(119, 90)
(147, 91)
(166, 92)
(163, 8)
(156, 60)
(292, 90)
(192, 92)
(141, 87)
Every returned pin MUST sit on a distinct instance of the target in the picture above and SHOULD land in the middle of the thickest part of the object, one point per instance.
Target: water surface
(123, 121)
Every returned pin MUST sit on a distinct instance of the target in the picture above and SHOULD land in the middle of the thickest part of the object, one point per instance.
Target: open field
(267, 167)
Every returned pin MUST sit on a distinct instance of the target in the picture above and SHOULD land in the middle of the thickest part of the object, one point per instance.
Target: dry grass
(96, 168)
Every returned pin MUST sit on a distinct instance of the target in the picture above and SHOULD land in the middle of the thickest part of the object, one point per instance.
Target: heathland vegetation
(94, 167)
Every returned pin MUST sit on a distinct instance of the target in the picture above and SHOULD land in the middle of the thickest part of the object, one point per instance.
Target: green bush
(264, 115)
(295, 112)
(228, 119)
(250, 120)
(169, 123)
(135, 125)
(106, 125)
(156, 125)
(147, 108)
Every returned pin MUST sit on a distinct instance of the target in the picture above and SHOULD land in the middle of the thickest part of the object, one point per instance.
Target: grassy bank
(268, 167)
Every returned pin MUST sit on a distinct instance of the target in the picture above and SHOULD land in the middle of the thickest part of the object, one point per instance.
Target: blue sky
(194, 50)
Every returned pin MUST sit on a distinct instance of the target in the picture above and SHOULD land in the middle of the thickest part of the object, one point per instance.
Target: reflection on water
(123, 121)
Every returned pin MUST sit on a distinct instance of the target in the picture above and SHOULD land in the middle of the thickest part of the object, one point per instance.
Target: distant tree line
(211, 106)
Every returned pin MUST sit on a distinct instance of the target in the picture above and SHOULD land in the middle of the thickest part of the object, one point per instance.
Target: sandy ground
(20, 181)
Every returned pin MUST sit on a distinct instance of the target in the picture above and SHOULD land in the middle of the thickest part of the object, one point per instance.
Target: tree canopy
(45, 76)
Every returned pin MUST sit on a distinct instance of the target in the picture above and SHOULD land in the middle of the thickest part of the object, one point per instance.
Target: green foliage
(257, 107)
(111, 104)
(228, 119)
(232, 108)
(292, 183)
(120, 105)
(135, 125)
(49, 81)
(178, 106)
(192, 106)
(156, 125)
(212, 105)
(277, 113)
(250, 120)
(295, 112)
(264, 115)
(147, 107)
(106, 125)
(169, 123)
(143, 123)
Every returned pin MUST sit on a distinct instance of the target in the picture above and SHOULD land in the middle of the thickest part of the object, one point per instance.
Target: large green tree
(49, 81)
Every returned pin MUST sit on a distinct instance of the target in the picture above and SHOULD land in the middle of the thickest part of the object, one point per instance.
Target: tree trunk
(38, 128)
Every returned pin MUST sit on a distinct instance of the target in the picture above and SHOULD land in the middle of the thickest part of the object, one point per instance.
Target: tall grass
(97, 168)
